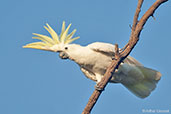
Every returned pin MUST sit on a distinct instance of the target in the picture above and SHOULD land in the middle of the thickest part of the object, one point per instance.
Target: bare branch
(135, 36)
(119, 57)
(137, 12)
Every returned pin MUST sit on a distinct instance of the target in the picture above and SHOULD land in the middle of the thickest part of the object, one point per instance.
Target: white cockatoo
(95, 58)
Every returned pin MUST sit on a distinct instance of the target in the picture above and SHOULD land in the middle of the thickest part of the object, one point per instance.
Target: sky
(39, 82)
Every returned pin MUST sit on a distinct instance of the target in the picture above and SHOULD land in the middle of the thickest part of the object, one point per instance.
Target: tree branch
(119, 57)
(137, 12)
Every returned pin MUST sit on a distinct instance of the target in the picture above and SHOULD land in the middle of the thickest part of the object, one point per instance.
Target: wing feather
(104, 48)
(109, 49)
(89, 74)
(131, 61)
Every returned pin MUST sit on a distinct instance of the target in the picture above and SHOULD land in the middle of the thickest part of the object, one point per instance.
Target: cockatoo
(95, 58)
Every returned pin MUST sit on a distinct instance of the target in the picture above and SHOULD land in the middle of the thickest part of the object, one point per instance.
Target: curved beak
(63, 55)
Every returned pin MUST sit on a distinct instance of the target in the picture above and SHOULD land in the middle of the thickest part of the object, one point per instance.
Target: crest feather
(63, 28)
(49, 43)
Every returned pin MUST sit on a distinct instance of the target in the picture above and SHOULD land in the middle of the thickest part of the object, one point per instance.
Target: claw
(98, 88)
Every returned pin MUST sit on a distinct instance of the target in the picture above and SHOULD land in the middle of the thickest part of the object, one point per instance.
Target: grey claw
(98, 88)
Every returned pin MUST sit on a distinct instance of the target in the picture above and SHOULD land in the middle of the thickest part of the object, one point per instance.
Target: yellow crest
(48, 43)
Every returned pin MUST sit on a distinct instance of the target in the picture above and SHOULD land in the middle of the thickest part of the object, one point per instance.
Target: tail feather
(144, 87)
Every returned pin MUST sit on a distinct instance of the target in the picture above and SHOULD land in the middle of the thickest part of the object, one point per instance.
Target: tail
(142, 88)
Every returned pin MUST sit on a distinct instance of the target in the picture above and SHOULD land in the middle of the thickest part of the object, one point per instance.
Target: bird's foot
(98, 88)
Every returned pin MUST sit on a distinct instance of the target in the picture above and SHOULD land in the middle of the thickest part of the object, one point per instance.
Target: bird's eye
(66, 48)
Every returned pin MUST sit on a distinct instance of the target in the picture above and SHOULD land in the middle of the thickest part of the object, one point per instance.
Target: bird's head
(58, 43)
(71, 51)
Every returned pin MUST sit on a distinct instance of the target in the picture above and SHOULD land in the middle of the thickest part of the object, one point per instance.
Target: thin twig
(137, 12)
(119, 57)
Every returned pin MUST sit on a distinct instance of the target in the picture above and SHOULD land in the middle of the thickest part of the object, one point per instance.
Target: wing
(131, 61)
(109, 49)
(104, 48)
(88, 74)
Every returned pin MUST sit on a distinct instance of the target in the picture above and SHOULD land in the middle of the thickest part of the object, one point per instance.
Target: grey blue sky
(39, 82)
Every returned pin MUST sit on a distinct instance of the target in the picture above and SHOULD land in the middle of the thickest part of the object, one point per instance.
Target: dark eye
(66, 48)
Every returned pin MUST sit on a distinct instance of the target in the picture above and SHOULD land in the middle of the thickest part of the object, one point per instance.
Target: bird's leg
(98, 88)
(113, 58)
(98, 78)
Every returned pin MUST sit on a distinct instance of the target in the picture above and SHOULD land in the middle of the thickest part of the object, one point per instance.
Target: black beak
(63, 55)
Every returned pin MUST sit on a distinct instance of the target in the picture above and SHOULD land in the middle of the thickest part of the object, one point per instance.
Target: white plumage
(95, 58)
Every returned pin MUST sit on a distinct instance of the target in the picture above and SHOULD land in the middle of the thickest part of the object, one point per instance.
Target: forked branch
(119, 57)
